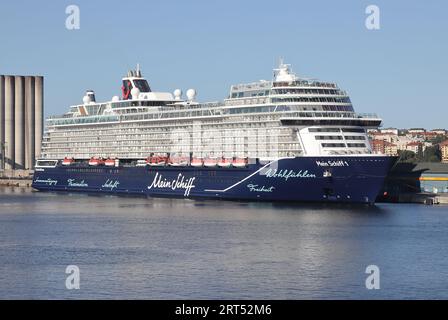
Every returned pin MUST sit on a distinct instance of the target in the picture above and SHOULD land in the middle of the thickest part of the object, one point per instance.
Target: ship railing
(305, 83)
(367, 115)
(263, 84)
(330, 114)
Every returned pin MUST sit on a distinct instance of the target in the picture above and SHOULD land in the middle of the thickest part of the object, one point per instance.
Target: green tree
(419, 155)
(432, 154)
(437, 139)
(407, 156)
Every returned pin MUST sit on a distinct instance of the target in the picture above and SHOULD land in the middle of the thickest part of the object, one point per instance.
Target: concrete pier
(20, 178)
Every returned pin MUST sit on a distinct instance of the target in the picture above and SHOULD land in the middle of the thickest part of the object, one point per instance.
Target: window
(333, 145)
(358, 130)
(356, 145)
(328, 137)
(324, 130)
(355, 138)
(142, 85)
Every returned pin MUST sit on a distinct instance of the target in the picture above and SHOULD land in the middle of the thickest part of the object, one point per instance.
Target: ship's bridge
(134, 81)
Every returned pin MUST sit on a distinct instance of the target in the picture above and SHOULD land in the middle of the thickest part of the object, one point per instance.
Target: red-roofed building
(384, 147)
(441, 132)
(430, 134)
(377, 146)
(390, 149)
(444, 151)
(413, 146)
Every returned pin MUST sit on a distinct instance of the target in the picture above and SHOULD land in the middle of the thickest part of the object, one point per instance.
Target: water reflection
(129, 247)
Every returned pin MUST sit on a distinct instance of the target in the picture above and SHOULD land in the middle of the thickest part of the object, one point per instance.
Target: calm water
(168, 249)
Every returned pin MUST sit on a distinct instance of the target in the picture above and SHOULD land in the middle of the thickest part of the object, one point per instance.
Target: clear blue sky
(399, 71)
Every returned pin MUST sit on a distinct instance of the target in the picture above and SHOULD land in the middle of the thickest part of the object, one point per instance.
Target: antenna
(280, 60)
(139, 74)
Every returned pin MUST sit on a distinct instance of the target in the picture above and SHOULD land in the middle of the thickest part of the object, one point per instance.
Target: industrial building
(413, 178)
(21, 121)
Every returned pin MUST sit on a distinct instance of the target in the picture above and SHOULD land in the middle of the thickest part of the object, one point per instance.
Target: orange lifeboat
(225, 162)
(211, 162)
(109, 162)
(96, 161)
(147, 161)
(67, 161)
(178, 161)
(239, 162)
(157, 161)
(197, 162)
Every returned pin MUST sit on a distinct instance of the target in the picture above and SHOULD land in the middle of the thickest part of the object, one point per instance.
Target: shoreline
(15, 182)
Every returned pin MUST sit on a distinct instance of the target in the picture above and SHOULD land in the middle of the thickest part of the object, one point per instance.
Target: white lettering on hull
(111, 184)
(339, 163)
(288, 174)
(179, 183)
(74, 183)
(257, 188)
(49, 181)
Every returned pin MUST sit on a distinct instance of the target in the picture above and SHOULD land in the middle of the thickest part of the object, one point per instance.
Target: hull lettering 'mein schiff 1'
(289, 139)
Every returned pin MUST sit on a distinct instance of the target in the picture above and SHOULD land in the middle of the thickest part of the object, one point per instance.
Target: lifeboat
(197, 162)
(110, 162)
(211, 162)
(178, 161)
(67, 161)
(157, 161)
(225, 162)
(96, 161)
(239, 162)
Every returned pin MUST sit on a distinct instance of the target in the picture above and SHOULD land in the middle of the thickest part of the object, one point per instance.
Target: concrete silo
(9, 122)
(19, 122)
(39, 114)
(29, 122)
(2, 122)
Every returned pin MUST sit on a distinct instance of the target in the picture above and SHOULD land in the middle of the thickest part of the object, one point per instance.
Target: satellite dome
(191, 94)
(177, 94)
(135, 92)
(115, 98)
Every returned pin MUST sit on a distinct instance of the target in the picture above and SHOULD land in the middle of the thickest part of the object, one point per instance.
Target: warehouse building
(21, 121)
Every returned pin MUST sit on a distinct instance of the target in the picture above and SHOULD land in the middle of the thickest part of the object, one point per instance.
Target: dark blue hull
(317, 179)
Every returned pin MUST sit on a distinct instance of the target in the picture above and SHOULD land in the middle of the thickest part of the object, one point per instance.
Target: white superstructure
(286, 117)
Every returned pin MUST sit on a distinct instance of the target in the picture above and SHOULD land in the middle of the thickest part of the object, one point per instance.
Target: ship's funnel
(91, 95)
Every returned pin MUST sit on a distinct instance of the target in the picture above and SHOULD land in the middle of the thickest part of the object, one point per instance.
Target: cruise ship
(287, 139)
